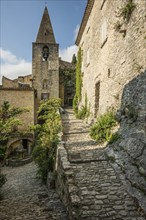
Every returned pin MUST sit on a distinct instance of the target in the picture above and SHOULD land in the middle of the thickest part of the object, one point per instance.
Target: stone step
(93, 191)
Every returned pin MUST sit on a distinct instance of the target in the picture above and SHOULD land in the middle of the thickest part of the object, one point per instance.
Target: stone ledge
(16, 163)
(65, 186)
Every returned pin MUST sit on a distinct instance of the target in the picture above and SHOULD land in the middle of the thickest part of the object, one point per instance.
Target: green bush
(101, 131)
(114, 137)
(82, 113)
(47, 136)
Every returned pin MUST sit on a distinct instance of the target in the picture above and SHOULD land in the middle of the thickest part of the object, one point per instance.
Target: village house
(112, 37)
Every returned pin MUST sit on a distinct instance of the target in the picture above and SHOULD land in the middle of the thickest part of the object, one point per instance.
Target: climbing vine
(77, 97)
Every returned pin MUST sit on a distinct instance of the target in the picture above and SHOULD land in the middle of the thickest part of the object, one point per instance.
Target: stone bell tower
(45, 62)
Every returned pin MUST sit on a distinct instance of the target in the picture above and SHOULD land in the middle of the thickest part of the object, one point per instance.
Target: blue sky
(19, 24)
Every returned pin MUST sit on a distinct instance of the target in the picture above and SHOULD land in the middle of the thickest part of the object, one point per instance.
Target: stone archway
(20, 142)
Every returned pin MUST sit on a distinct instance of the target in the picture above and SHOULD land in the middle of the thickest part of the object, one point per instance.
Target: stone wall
(8, 83)
(45, 73)
(129, 151)
(46, 70)
(113, 54)
(20, 98)
(15, 83)
(65, 182)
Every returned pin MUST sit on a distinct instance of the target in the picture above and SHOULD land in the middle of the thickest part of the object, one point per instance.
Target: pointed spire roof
(45, 33)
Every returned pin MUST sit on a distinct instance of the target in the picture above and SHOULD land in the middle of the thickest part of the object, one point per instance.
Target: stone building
(112, 37)
(46, 81)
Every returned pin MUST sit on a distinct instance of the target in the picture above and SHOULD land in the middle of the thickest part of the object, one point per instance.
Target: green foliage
(79, 75)
(127, 10)
(74, 59)
(114, 137)
(75, 104)
(77, 96)
(84, 112)
(101, 131)
(9, 124)
(68, 78)
(47, 136)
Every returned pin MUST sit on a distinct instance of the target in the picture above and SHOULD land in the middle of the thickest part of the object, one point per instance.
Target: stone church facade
(45, 81)
(113, 50)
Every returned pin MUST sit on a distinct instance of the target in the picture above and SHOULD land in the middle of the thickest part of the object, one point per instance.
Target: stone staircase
(86, 181)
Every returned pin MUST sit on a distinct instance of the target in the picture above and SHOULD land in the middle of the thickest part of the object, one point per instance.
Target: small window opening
(45, 84)
(45, 53)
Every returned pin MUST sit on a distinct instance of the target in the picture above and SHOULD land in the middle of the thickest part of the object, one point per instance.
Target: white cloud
(67, 53)
(76, 31)
(7, 56)
(12, 67)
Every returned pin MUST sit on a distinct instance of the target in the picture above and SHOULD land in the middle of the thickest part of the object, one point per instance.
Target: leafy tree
(74, 59)
(8, 129)
(9, 124)
(47, 136)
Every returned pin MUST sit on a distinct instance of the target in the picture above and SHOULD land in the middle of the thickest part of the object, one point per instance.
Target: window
(45, 53)
(103, 33)
(45, 96)
(45, 84)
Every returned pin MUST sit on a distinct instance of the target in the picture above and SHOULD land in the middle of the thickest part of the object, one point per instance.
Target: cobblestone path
(24, 198)
(97, 192)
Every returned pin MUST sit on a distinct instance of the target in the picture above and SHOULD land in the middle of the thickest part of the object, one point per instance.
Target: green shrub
(47, 136)
(114, 137)
(127, 10)
(101, 131)
(82, 113)
(40, 156)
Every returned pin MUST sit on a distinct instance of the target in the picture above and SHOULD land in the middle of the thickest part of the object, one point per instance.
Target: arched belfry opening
(45, 53)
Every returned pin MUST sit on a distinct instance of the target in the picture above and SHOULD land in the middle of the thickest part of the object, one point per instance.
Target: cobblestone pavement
(99, 193)
(24, 198)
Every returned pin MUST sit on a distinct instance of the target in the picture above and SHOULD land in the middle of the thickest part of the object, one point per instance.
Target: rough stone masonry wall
(46, 70)
(113, 59)
(129, 152)
(20, 98)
